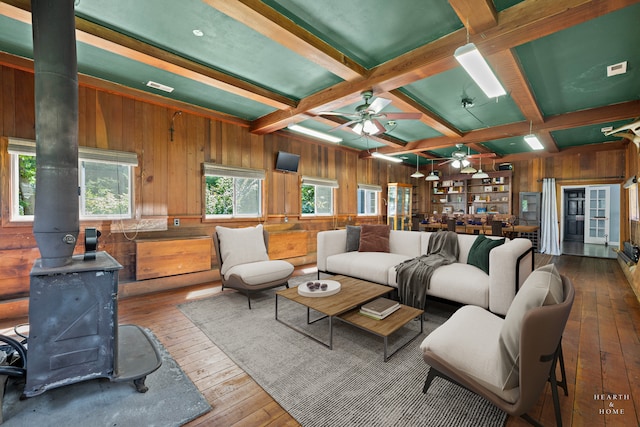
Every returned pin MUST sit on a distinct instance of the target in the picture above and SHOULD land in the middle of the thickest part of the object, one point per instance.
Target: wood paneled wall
(168, 181)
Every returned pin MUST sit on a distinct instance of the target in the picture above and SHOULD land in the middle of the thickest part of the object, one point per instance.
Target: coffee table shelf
(387, 326)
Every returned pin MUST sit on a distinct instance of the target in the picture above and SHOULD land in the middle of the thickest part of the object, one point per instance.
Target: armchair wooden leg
(430, 376)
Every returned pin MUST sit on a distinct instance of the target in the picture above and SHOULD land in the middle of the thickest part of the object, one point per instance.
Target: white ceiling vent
(159, 86)
(615, 69)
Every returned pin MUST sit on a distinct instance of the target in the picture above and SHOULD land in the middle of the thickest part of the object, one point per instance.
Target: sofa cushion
(479, 252)
(371, 266)
(374, 238)
(473, 331)
(459, 282)
(353, 238)
(258, 273)
(241, 246)
(542, 287)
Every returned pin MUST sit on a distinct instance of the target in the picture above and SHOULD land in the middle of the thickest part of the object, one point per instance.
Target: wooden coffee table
(345, 305)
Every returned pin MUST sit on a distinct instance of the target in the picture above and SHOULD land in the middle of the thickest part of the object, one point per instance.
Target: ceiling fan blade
(344, 125)
(402, 116)
(337, 113)
(378, 104)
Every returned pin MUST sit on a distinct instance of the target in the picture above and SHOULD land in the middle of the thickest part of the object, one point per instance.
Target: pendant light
(480, 174)
(417, 173)
(432, 176)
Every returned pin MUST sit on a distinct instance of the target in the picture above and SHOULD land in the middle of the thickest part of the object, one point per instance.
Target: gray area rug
(172, 400)
(350, 385)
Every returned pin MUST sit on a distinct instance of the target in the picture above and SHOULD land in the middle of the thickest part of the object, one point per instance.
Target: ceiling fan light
(465, 162)
(370, 128)
(480, 175)
(314, 133)
(432, 177)
(357, 128)
(378, 155)
(456, 163)
(533, 142)
(475, 65)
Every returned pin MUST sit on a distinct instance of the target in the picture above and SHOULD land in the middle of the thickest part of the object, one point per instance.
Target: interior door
(574, 215)
(596, 224)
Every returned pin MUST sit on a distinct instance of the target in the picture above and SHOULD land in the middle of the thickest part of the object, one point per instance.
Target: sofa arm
(509, 266)
(329, 243)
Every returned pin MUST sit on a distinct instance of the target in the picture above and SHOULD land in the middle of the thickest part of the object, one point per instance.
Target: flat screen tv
(287, 162)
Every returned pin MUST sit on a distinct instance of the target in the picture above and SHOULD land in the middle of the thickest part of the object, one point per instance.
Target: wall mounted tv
(287, 162)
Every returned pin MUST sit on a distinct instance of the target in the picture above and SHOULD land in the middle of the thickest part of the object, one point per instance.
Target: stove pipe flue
(56, 224)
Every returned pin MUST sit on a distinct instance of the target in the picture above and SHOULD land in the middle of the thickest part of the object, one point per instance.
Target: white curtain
(549, 235)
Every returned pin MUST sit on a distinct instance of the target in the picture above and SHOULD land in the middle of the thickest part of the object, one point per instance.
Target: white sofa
(509, 265)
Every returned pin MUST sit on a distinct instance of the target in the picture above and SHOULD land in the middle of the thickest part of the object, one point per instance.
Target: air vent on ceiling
(159, 86)
(615, 69)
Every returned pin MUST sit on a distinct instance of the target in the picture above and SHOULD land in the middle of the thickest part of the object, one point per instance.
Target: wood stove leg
(140, 386)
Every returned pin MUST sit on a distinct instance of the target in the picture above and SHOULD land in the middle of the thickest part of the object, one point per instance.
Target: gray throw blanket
(413, 276)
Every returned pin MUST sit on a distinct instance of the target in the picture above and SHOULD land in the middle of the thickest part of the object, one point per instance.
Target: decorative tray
(316, 288)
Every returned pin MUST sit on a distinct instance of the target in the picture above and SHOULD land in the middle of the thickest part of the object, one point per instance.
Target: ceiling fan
(462, 159)
(630, 132)
(365, 118)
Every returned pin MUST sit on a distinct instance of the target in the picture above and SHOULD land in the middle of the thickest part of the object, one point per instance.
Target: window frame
(17, 147)
(368, 189)
(324, 183)
(223, 171)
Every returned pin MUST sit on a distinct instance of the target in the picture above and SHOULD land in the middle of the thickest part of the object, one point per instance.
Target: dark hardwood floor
(601, 350)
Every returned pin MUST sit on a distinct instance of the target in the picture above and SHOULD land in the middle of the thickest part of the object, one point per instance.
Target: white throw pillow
(542, 287)
(241, 246)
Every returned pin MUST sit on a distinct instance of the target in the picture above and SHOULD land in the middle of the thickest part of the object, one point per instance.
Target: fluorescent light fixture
(385, 157)
(475, 65)
(314, 133)
(159, 86)
(533, 142)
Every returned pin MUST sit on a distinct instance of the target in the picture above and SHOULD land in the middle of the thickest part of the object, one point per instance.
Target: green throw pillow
(479, 252)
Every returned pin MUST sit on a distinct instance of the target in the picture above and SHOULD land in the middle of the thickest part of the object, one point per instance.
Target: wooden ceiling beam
(406, 103)
(571, 151)
(509, 71)
(128, 47)
(266, 21)
(610, 113)
(476, 15)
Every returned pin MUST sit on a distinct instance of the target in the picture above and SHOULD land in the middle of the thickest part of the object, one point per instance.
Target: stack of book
(379, 308)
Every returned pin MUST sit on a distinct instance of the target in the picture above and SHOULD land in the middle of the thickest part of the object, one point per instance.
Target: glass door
(596, 224)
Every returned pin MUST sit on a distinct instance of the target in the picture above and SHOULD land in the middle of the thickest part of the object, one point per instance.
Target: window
(104, 178)
(317, 196)
(232, 192)
(368, 196)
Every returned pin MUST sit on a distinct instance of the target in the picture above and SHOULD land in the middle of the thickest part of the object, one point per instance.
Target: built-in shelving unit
(462, 194)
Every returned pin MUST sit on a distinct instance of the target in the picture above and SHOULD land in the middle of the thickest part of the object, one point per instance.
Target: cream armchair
(244, 262)
(507, 361)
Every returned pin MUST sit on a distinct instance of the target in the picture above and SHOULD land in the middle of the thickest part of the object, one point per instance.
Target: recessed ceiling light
(198, 33)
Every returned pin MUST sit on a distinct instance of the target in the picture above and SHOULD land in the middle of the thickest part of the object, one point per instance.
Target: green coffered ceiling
(273, 63)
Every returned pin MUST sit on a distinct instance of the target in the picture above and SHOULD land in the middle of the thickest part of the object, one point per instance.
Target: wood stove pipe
(56, 224)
